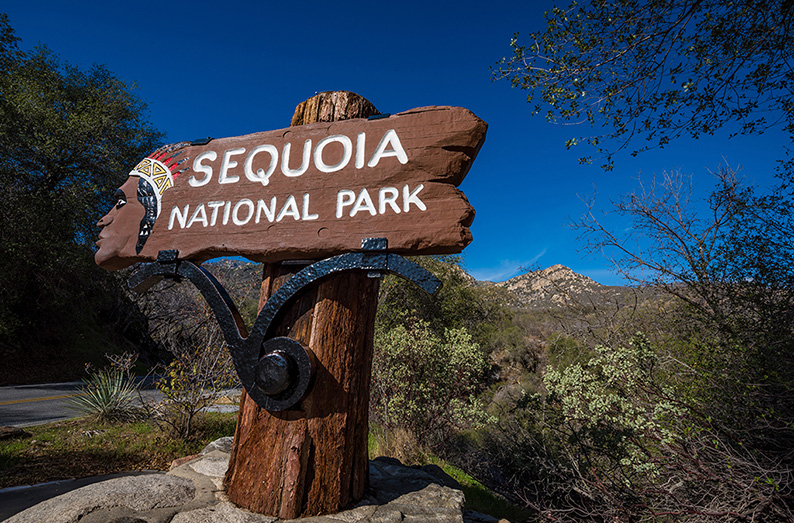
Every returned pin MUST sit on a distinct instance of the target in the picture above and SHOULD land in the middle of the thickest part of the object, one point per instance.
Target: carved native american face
(128, 224)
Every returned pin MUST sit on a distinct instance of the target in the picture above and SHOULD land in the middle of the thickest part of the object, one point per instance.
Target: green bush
(612, 401)
(426, 383)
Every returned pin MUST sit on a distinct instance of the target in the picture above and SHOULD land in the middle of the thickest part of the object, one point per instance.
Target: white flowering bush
(615, 402)
(639, 448)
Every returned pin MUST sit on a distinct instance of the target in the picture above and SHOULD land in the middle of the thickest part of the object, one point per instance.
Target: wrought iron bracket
(277, 371)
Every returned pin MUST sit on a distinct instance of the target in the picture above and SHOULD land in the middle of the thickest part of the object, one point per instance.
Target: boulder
(135, 493)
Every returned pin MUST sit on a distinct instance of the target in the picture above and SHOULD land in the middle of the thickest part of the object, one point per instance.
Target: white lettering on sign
(214, 216)
(347, 146)
(200, 168)
(235, 213)
(199, 215)
(260, 164)
(306, 214)
(363, 203)
(344, 198)
(259, 168)
(361, 141)
(290, 209)
(387, 196)
(307, 150)
(261, 175)
(410, 197)
(181, 217)
(227, 164)
(269, 212)
(348, 203)
(226, 209)
(241, 213)
(390, 138)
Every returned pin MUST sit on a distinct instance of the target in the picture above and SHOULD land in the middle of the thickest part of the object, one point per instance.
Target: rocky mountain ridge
(554, 287)
(558, 286)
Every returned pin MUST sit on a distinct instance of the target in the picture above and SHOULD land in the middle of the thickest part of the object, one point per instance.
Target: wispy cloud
(506, 269)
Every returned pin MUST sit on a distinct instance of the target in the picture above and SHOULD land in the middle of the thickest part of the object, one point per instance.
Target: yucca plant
(108, 395)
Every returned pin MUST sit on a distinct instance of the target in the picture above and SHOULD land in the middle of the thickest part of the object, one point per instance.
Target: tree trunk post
(312, 459)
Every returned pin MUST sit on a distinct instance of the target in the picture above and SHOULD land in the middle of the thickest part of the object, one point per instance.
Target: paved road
(26, 405)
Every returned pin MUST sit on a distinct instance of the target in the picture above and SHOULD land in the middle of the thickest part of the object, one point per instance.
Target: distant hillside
(559, 287)
(556, 287)
(242, 279)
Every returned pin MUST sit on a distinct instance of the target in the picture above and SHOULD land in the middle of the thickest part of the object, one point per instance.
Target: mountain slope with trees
(559, 286)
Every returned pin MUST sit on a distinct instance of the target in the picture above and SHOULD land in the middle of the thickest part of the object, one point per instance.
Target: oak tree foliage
(426, 383)
(68, 137)
(645, 72)
(658, 69)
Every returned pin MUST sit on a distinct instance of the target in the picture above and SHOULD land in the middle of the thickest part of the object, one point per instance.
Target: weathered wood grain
(313, 459)
(413, 201)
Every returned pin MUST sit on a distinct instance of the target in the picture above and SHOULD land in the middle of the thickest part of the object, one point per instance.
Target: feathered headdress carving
(160, 168)
(156, 172)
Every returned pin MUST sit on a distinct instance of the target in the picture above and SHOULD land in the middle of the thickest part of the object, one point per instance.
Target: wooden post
(312, 459)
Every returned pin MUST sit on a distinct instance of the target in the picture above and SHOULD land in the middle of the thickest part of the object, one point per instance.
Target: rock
(390, 479)
(213, 465)
(471, 516)
(411, 494)
(433, 496)
(356, 515)
(222, 444)
(438, 473)
(224, 512)
(112, 516)
(13, 433)
(137, 493)
(433, 504)
(386, 515)
(178, 462)
(192, 493)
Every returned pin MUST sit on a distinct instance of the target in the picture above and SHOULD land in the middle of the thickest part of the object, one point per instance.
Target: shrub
(638, 448)
(109, 395)
(398, 443)
(425, 383)
(192, 381)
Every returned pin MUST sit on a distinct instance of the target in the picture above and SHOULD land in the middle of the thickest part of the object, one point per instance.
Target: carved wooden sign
(303, 192)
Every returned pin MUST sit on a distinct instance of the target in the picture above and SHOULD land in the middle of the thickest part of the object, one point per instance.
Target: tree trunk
(312, 459)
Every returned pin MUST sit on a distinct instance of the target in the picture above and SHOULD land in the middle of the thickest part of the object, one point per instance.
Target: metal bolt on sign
(276, 371)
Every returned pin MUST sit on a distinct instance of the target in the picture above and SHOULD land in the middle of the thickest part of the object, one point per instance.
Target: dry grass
(399, 444)
(83, 447)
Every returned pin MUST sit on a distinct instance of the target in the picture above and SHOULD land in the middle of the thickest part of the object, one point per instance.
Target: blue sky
(230, 68)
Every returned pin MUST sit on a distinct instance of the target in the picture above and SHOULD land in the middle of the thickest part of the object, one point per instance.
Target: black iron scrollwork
(277, 371)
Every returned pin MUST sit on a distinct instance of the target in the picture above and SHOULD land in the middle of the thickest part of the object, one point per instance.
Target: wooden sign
(303, 192)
